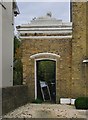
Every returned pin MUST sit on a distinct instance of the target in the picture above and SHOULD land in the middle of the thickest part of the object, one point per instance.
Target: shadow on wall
(18, 67)
(14, 97)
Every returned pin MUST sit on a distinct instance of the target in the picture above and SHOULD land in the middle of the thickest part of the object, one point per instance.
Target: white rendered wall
(0, 62)
(0, 46)
(7, 45)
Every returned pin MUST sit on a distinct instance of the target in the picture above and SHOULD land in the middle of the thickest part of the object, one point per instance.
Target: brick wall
(60, 47)
(87, 49)
(78, 84)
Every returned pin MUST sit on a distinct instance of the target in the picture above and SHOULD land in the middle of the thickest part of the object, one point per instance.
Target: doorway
(46, 72)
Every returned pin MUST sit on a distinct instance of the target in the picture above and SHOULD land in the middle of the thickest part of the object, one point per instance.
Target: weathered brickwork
(87, 49)
(60, 47)
(79, 84)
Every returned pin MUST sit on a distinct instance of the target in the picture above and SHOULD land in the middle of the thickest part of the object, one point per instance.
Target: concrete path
(47, 111)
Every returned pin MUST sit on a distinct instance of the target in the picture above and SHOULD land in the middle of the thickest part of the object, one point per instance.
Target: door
(46, 71)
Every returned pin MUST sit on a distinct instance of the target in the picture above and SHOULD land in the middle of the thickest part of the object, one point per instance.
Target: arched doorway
(46, 71)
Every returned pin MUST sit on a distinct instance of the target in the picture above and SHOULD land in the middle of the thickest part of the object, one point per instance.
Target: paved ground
(47, 111)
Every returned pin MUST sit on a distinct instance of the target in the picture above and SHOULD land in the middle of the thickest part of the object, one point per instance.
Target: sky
(29, 10)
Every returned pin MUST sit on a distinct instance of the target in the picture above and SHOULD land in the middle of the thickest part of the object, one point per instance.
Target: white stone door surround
(43, 56)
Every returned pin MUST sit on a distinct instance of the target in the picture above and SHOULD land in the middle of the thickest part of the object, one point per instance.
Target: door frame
(40, 59)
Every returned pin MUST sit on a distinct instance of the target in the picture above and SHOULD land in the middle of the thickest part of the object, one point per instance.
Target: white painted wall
(0, 63)
(7, 31)
(0, 47)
